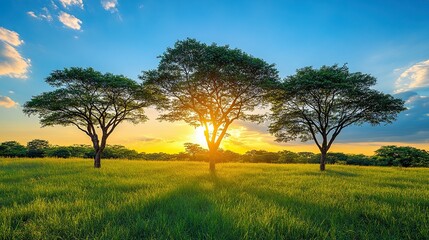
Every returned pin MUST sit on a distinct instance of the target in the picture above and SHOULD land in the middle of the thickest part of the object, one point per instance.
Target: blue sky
(388, 39)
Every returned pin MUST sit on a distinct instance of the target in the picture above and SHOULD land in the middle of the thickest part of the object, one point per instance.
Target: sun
(199, 136)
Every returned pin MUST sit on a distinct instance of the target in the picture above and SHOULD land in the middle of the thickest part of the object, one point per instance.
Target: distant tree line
(385, 156)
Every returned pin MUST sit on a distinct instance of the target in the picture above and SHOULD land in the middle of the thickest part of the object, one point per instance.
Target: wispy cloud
(12, 64)
(67, 3)
(7, 102)
(416, 76)
(32, 14)
(148, 139)
(110, 5)
(70, 21)
(46, 15)
(54, 6)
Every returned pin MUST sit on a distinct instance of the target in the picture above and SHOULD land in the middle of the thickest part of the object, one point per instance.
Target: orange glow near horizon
(154, 136)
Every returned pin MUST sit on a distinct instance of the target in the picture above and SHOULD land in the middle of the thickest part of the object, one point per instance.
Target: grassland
(68, 199)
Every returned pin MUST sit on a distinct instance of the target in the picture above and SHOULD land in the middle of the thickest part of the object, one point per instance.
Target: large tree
(210, 86)
(319, 103)
(95, 103)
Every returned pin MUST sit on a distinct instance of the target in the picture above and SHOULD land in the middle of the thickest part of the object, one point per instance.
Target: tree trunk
(212, 157)
(212, 165)
(322, 160)
(99, 150)
(97, 159)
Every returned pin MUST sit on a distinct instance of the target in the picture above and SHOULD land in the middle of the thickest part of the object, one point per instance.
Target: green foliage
(307, 157)
(210, 86)
(47, 199)
(401, 156)
(227, 156)
(81, 151)
(95, 103)
(12, 149)
(37, 148)
(318, 104)
(258, 156)
(194, 149)
(59, 152)
(288, 157)
(118, 151)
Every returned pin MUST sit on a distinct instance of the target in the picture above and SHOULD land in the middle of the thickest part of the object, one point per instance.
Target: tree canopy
(12, 149)
(210, 86)
(319, 103)
(95, 103)
(402, 156)
(37, 148)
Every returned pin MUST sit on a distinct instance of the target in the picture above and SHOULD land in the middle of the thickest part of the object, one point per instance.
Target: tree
(12, 149)
(286, 156)
(402, 156)
(95, 103)
(319, 103)
(193, 149)
(259, 156)
(306, 157)
(37, 148)
(119, 151)
(210, 86)
(60, 152)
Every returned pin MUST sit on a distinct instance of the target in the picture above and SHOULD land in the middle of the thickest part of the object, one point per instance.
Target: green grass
(68, 199)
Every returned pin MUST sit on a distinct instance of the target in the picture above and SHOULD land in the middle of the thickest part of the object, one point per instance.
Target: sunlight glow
(199, 137)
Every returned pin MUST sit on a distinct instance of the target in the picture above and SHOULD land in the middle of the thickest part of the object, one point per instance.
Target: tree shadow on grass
(185, 213)
(323, 220)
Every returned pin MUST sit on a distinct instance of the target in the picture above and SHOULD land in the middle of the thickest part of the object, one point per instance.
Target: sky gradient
(387, 39)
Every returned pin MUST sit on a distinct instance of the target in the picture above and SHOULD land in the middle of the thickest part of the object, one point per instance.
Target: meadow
(69, 199)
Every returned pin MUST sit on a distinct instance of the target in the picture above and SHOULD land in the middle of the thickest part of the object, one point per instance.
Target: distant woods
(212, 86)
(385, 156)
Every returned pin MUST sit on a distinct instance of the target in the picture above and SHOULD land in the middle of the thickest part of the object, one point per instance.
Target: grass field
(68, 199)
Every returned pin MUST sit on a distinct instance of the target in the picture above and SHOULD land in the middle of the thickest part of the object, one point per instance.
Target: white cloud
(7, 102)
(70, 21)
(417, 76)
(12, 64)
(32, 14)
(41, 16)
(10, 37)
(110, 5)
(67, 3)
(11, 92)
(54, 5)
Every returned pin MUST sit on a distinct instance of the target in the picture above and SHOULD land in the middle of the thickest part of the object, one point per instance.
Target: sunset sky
(388, 39)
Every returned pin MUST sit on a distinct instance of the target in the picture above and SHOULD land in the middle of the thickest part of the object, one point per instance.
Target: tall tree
(95, 103)
(319, 103)
(210, 86)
